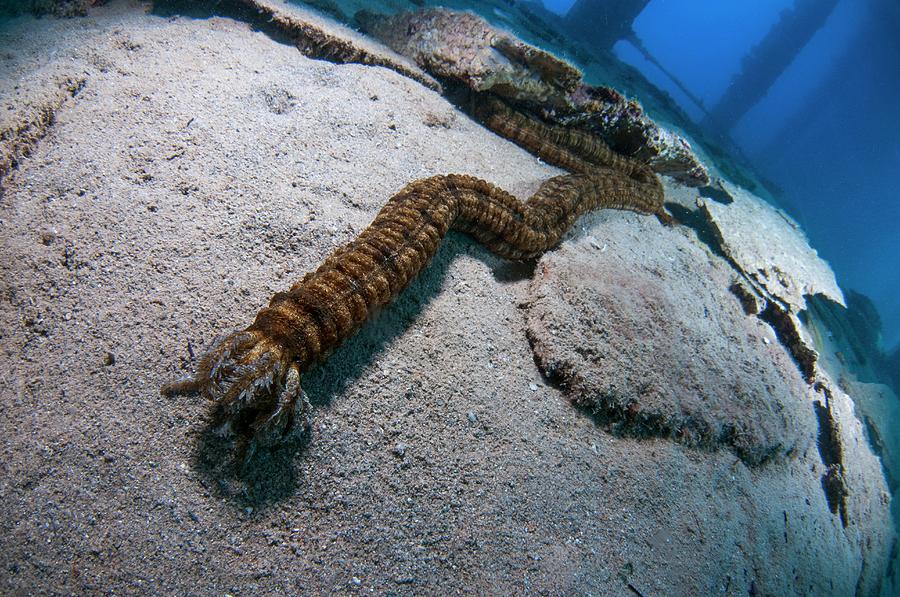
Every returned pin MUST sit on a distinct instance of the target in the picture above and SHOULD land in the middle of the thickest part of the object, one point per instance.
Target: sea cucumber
(254, 374)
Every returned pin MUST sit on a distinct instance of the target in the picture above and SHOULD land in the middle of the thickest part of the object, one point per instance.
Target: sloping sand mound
(203, 166)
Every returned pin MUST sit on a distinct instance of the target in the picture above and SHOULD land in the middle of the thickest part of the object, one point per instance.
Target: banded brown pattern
(256, 372)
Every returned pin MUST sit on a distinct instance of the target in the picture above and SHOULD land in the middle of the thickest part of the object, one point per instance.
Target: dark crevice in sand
(788, 333)
(312, 40)
(753, 300)
(750, 301)
(19, 141)
(831, 452)
(514, 271)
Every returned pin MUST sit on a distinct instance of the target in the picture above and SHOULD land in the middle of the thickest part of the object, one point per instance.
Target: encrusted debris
(464, 49)
(794, 337)
(752, 303)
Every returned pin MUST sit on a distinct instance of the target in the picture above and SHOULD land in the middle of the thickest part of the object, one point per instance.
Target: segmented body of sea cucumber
(254, 374)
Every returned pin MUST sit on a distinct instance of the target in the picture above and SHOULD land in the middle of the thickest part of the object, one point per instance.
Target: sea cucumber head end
(255, 384)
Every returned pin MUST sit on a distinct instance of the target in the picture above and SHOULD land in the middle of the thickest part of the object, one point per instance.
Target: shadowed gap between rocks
(829, 444)
(232, 9)
(309, 38)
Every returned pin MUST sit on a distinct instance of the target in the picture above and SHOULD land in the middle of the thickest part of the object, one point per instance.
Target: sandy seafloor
(203, 167)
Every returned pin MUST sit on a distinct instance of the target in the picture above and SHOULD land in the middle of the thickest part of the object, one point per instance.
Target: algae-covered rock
(465, 49)
(625, 127)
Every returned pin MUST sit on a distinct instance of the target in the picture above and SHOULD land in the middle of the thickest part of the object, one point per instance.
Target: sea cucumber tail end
(665, 218)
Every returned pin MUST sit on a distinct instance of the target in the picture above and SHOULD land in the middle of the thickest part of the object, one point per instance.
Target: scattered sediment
(637, 331)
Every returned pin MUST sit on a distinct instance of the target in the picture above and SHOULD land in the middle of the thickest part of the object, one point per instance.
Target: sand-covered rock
(639, 329)
(464, 48)
(771, 249)
(205, 166)
(848, 479)
(777, 263)
(850, 359)
(29, 109)
(313, 33)
(878, 408)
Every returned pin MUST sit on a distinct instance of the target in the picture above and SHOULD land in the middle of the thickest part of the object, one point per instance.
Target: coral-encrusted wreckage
(463, 48)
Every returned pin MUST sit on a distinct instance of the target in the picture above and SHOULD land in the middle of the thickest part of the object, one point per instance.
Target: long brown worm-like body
(256, 372)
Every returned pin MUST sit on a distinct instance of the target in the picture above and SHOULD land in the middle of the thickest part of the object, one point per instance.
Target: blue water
(827, 132)
(700, 41)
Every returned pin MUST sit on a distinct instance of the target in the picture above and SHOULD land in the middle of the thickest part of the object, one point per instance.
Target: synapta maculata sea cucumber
(254, 374)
